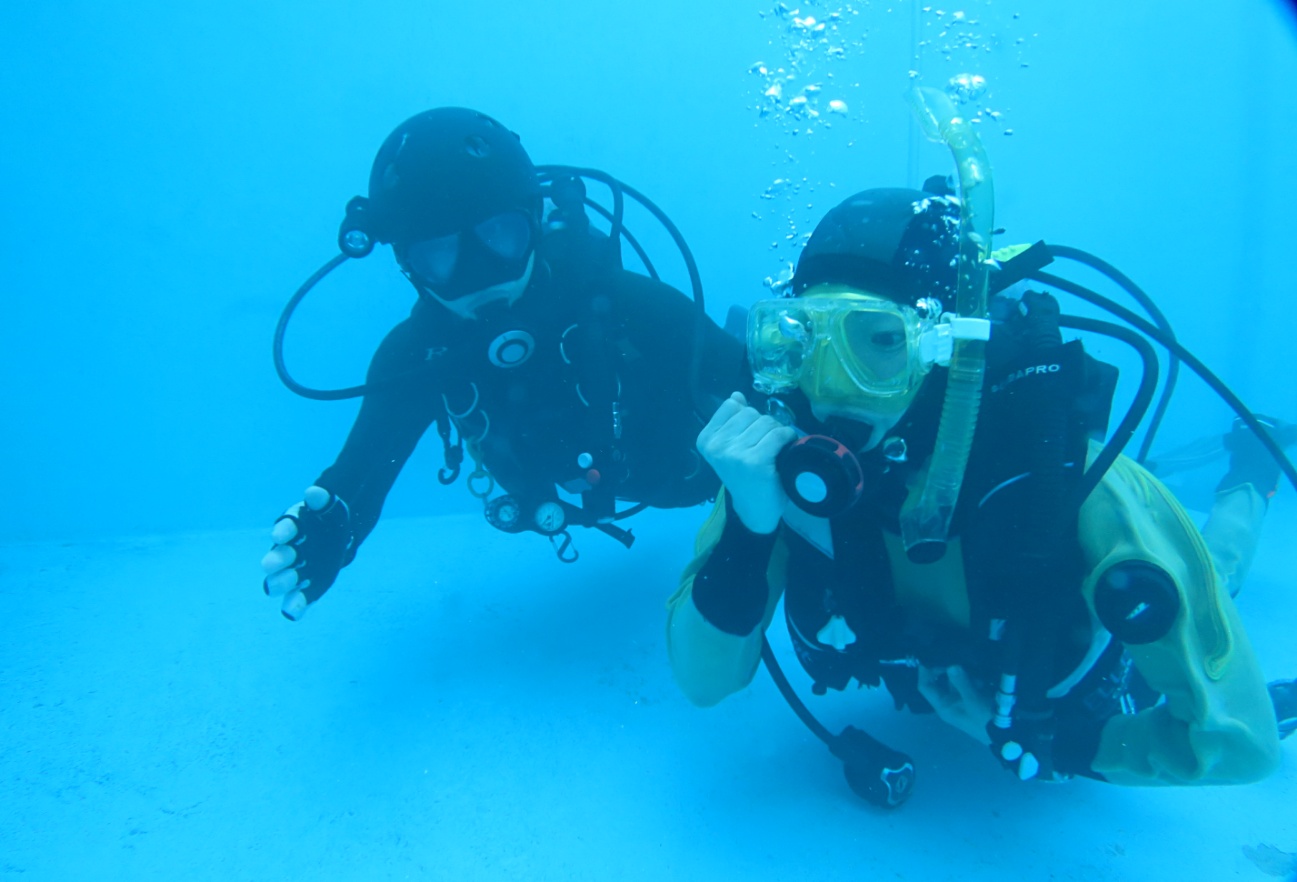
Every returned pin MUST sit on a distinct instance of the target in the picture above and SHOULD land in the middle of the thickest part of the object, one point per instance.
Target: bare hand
(741, 444)
(957, 700)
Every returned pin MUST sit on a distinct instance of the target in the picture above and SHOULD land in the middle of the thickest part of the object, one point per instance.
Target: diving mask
(497, 251)
(838, 342)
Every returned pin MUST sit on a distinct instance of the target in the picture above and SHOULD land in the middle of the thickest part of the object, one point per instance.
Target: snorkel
(925, 523)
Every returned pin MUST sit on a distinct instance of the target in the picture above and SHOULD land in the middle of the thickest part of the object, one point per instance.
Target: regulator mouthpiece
(820, 475)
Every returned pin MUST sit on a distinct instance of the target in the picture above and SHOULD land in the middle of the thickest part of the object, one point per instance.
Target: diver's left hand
(958, 700)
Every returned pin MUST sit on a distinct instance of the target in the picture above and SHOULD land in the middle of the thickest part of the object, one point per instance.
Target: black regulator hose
(1138, 294)
(278, 350)
(1173, 346)
(630, 239)
(1138, 407)
(875, 772)
(280, 329)
(703, 409)
(618, 188)
(817, 728)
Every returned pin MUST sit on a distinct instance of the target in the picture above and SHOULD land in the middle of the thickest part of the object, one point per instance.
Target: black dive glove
(313, 541)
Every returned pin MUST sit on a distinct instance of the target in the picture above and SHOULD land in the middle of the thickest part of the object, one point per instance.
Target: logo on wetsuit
(1023, 373)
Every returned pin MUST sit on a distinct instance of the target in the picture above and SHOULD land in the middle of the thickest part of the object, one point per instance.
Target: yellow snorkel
(925, 523)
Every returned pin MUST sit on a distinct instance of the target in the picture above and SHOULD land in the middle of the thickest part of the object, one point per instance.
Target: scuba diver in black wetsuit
(926, 487)
(529, 346)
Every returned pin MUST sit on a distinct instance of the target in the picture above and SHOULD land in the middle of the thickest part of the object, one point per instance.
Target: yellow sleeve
(708, 663)
(1217, 725)
(1231, 533)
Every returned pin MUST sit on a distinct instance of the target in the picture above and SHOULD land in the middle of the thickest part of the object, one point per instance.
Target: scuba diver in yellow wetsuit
(962, 535)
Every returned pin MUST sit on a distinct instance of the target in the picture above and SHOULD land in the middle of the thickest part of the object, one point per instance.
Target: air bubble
(965, 87)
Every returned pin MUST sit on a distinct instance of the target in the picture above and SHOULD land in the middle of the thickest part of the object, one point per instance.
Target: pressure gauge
(550, 518)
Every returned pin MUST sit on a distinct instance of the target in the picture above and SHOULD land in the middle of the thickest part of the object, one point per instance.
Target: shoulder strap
(1021, 549)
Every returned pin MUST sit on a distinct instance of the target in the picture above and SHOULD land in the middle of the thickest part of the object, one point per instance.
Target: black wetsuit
(598, 340)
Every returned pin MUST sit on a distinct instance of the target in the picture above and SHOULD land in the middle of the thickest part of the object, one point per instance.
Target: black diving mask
(491, 252)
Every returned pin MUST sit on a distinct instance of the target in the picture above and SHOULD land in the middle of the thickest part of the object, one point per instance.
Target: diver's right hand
(313, 541)
(740, 444)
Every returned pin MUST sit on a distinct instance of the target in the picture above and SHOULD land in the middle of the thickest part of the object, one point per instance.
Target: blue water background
(172, 171)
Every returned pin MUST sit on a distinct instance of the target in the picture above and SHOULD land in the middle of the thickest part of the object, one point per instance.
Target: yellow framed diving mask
(839, 342)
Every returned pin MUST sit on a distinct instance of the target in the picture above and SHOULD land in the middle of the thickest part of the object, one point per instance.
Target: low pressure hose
(281, 367)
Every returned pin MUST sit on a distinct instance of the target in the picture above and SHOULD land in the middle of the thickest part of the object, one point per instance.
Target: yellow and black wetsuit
(1214, 723)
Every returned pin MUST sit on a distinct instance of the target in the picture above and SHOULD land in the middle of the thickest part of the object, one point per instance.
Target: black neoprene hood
(902, 244)
(445, 170)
